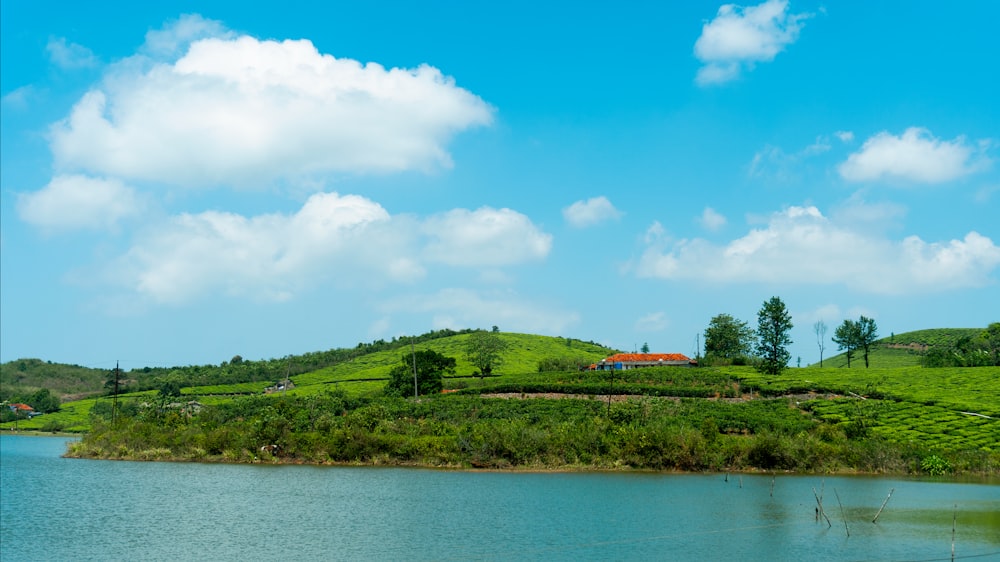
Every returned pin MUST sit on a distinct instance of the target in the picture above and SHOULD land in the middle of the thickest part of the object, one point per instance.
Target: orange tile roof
(646, 357)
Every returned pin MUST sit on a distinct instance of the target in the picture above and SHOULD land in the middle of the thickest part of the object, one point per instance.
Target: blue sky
(182, 182)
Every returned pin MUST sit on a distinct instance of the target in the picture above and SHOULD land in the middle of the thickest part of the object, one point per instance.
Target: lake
(53, 508)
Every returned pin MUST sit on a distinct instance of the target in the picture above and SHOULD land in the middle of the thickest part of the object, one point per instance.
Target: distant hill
(366, 361)
(25, 376)
(901, 350)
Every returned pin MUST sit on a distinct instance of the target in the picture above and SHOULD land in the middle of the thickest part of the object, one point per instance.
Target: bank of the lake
(56, 508)
(640, 433)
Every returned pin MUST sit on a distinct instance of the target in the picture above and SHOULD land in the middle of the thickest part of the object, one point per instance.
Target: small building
(623, 361)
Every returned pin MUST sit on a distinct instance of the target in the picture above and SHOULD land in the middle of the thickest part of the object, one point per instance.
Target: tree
(727, 338)
(44, 401)
(485, 351)
(820, 328)
(170, 389)
(773, 324)
(847, 336)
(867, 335)
(431, 367)
(645, 347)
(992, 337)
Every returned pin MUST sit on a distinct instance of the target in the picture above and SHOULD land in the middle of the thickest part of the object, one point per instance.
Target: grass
(900, 350)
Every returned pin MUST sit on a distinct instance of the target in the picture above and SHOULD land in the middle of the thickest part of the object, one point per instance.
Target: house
(621, 361)
(23, 409)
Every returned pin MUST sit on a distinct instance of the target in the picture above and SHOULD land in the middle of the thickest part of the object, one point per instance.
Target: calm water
(65, 509)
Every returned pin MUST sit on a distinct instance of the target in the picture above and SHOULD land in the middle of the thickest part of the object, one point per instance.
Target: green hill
(902, 350)
(25, 376)
(523, 354)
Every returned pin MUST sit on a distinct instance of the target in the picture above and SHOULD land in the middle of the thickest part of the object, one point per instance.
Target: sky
(183, 182)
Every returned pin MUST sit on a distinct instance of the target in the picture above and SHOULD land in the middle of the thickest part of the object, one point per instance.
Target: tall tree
(820, 328)
(867, 335)
(727, 338)
(431, 367)
(992, 337)
(485, 351)
(773, 325)
(846, 336)
(645, 347)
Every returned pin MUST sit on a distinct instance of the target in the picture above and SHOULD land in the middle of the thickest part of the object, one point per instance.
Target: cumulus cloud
(801, 246)
(712, 220)
(740, 36)
(345, 240)
(70, 55)
(71, 202)
(263, 257)
(915, 156)
(457, 308)
(485, 236)
(239, 111)
(591, 212)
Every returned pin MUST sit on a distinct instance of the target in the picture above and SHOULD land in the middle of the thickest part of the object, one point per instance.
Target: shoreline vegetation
(532, 404)
(468, 431)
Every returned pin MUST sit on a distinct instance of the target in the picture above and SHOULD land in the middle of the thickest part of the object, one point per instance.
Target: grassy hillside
(522, 356)
(25, 376)
(900, 350)
(363, 375)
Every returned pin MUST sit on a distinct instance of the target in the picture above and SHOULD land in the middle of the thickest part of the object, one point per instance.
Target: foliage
(552, 364)
(23, 377)
(727, 338)
(485, 351)
(421, 369)
(170, 389)
(867, 335)
(847, 336)
(773, 325)
(992, 339)
(935, 465)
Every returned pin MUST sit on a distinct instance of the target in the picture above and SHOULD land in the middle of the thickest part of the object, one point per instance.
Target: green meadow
(893, 417)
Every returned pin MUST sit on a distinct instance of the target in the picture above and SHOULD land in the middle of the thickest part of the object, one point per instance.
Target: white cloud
(712, 220)
(238, 111)
(70, 55)
(343, 240)
(844, 136)
(174, 38)
(915, 156)
(740, 36)
(72, 202)
(652, 322)
(773, 163)
(20, 97)
(591, 212)
(801, 246)
(267, 257)
(484, 237)
(456, 308)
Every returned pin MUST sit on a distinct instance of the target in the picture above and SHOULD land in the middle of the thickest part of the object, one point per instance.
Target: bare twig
(891, 490)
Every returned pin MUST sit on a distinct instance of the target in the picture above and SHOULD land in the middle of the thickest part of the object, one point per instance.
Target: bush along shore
(467, 430)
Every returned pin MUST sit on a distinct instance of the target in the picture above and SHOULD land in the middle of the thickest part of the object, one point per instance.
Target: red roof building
(620, 361)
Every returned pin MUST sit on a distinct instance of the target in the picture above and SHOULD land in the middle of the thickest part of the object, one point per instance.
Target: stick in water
(819, 502)
(844, 517)
(891, 490)
(954, 517)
